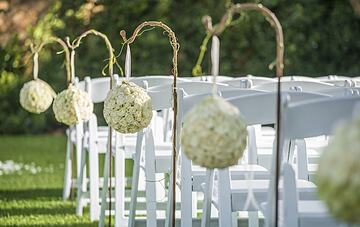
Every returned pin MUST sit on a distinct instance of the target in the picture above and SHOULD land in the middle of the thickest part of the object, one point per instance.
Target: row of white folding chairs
(76, 133)
(325, 114)
(102, 92)
(254, 105)
(186, 197)
(101, 86)
(250, 80)
(95, 139)
(152, 219)
(161, 99)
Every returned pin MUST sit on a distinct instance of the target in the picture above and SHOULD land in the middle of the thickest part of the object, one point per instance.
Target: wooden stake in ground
(112, 60)
(217, 29)
(175, 46)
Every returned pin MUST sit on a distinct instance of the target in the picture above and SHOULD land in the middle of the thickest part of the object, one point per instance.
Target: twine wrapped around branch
(175, 46)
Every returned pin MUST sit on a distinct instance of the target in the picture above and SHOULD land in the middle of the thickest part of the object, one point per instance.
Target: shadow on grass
(54, 193)
(27, 211)
(55, 225)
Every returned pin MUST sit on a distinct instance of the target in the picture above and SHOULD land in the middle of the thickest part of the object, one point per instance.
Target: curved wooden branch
(175, 47)
(275, 24)
(36, 51)
(269, 15)
(76, 43)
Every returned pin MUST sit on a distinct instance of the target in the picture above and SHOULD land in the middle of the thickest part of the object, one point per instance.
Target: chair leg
(150, 180)
(253, 219)
(80, 185)
(224, 197)
(194, 205)
(78, 149)
(104, 191)
(94, 182)
(186, 192)
(68, 170)
(206, 218)
(169, 207)
(234, 219)
(120, 188)
(135, 180)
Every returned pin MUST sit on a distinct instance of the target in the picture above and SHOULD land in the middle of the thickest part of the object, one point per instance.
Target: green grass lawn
(35, 198)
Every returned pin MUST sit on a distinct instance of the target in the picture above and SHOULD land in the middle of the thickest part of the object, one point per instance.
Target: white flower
(338, 176)
(36, 96)
(214, 133)
(128, 108)
(72, 106)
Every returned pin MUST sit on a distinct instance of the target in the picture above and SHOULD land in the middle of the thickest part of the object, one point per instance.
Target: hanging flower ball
(36, 96)
(338, 176)
(128, 108)
(72, 106)
(214, 133)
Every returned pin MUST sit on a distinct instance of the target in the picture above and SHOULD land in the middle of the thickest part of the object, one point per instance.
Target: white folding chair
(231, 195)
(158, 159)
(325, 114)
(192, 177)
(301, 213)
(94, 143)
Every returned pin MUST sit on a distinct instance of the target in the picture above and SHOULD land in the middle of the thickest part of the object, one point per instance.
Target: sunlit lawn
(33, 195)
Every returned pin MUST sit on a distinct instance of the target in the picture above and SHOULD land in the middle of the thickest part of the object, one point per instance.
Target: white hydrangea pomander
(36, 96)
(128, 108)
(72, 106)
(214, 133)
(338, 175)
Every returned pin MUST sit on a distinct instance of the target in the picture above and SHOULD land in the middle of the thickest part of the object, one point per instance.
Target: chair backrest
(98, 88)
(161, 98)
(193, 87)
(258, 108)
(308, 86)
(340, 91)
(253, 80)
(261, 108)
(316, 117)
(340, 82)
(239, 92)
(299, 78)
(210, 78)
(155, 80)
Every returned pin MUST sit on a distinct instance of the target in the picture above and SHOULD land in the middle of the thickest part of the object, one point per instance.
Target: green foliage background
(321, 38)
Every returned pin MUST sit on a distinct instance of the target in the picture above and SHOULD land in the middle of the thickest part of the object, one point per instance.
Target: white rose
(128, 108)
(72, 106)
(36, 96)
(338, 176)
(214, 133)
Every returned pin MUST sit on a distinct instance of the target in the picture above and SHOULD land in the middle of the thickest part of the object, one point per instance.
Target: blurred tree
(321, 37)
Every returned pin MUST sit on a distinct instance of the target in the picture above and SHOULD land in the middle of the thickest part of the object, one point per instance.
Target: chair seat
(238, 172)
(311, 213)
(312, 168)
(315, 213)
(240, 188)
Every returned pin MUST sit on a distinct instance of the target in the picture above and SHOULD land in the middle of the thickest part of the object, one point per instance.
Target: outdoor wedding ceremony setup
(207, 149)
